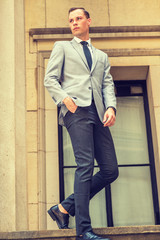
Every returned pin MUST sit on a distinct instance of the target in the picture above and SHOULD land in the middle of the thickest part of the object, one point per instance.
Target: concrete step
(114, 233)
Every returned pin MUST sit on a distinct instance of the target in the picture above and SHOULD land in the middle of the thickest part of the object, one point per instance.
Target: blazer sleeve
(54, 73)
(108, 87)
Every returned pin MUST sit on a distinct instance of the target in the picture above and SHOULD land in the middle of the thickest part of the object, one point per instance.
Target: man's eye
(71, 20)
(79, 18)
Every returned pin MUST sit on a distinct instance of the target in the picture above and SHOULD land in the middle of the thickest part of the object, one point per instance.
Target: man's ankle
(61, 209)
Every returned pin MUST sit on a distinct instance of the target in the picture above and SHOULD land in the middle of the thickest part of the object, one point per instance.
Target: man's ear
(89, 21)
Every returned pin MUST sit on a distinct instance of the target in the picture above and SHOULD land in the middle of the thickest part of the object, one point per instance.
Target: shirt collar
(78, 40)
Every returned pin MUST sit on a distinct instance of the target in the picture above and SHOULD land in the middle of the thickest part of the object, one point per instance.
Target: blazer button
(90, 88)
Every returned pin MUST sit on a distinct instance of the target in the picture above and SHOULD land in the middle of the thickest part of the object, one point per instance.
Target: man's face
(79, 24)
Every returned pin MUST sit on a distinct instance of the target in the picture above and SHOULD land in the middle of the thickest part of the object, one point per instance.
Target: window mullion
(109, 206)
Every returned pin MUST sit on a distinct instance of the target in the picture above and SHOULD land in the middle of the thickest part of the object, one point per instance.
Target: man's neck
(79, 39)
(83, 38)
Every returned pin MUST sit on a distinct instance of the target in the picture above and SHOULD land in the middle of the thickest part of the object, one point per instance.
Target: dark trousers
(89, 140)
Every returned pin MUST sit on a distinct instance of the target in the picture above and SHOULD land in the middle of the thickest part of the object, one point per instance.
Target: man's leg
(106, 159)
(81, 134)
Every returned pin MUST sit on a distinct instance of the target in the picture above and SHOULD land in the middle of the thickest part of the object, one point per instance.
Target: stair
(114, 233)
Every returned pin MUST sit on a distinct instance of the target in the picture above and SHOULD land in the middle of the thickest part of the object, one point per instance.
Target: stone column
(153, 88)
(13, 194)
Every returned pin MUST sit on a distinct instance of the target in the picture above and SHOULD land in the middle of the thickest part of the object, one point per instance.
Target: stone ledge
(115, 233)
(107, 29)
(132, 52)
(121, 52)
(38, 34)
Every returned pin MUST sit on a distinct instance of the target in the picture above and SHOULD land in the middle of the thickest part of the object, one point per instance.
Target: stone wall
(29, 171)
(132, 48)
(13, 181)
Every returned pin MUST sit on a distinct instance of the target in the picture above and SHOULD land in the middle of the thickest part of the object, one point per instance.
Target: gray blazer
(68, 74)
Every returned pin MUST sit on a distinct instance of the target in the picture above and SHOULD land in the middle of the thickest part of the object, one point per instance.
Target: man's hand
(109, 117)
(70, 104)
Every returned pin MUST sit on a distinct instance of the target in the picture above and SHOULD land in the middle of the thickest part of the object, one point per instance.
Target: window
(132, 198)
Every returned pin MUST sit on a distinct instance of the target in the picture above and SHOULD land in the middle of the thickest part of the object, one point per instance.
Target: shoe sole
(54, 217)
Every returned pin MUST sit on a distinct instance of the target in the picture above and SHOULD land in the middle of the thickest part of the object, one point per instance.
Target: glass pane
(97, 204)
(132, 197)
(129, 131)
(68, 189)
(136, 89)
(68, 181)
(98, 208)
(68, 154)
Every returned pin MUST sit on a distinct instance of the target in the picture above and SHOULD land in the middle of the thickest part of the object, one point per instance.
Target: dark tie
(87, 53)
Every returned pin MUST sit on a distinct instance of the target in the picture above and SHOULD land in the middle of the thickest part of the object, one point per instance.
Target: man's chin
(76, 34)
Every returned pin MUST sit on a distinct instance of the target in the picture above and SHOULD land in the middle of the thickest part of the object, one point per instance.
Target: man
(88, 104)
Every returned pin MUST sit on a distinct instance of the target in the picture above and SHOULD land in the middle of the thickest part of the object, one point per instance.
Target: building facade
(37, 163)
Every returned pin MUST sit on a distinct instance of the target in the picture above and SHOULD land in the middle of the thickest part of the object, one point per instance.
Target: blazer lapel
(94, 59)
(80, 52)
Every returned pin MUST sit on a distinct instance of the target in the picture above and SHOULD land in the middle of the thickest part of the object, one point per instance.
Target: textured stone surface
(115, 233)
(42, 181)
(135, 12)
(35, 13)
(12, 121)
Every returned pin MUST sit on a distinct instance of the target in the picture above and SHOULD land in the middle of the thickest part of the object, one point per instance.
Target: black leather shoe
(61, 219)
(91, 236)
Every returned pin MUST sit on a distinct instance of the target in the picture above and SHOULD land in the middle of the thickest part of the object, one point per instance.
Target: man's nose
(75, 22)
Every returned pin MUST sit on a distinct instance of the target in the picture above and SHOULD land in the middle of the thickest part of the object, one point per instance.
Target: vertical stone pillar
(13, 195)
(153, 88)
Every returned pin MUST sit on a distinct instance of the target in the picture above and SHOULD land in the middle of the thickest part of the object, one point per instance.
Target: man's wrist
(65, 99)
(112, 108)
